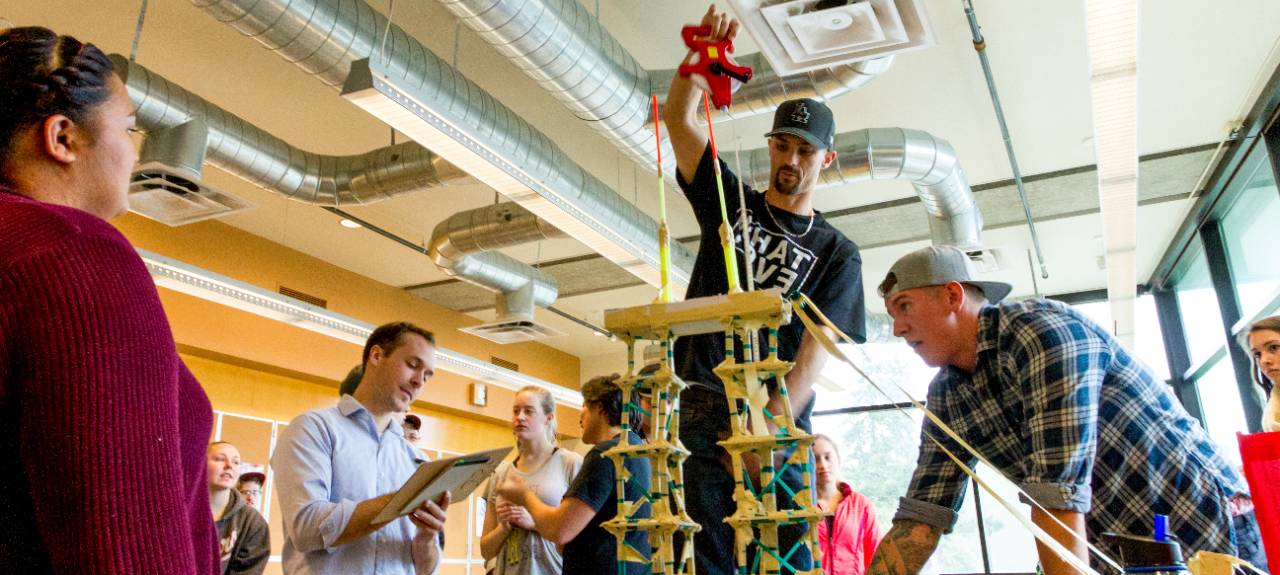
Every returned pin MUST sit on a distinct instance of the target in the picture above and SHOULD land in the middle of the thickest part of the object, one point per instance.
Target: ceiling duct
(929, 163)
(804, 35)
(464, 245)
(168, 183)
(767, 88)
(325, 37)
(266, 161)
(563, 47)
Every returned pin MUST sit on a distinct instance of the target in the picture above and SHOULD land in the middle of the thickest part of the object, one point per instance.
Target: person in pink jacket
(848, 539)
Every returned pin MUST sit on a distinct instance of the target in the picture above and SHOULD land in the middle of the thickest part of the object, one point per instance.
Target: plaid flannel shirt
(1064, 411)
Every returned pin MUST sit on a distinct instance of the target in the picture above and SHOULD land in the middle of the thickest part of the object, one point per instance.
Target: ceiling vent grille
(802, 35)
(304, 296)
(503, 363)
(512, 329)
(515, 320)
(168, 184)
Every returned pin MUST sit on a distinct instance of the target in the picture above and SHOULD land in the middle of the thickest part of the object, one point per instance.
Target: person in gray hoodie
(243, 536)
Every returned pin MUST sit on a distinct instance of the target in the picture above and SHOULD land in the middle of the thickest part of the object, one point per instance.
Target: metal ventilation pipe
(463, 247)
(767, 89)
(266, 161)
(181, 146)
(929, 163)
(563, 47)
(324, 37)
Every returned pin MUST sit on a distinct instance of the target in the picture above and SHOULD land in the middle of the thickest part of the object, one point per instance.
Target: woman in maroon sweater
(102, 429)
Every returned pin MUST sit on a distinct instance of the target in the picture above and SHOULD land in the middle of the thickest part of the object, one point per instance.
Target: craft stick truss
(762, 444)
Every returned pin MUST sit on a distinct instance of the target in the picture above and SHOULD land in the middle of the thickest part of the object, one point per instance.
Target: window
(889, 364)
(1198, 304)
(880, 472)
(878, 452)
(1010, 547)
(1148, 345)
(1249, 231)
(1220, 402)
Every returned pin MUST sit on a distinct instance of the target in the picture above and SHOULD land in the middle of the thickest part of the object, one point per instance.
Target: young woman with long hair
(509, 534)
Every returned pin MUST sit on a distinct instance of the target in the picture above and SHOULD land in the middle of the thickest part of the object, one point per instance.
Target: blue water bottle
(1159, 554)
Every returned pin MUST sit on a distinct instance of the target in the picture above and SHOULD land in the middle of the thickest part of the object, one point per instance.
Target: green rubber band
(778, 476)
(783, 563)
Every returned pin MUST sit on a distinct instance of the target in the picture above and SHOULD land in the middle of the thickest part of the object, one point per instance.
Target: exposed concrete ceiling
(1198, 70)
(1068, 193)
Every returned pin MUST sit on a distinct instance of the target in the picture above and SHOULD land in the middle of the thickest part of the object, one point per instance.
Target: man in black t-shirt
(795, 250)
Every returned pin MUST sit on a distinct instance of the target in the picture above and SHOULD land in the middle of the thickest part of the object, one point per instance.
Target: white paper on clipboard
(458, 475)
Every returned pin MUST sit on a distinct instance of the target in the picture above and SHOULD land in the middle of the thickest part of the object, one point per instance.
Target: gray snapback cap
(935, 266)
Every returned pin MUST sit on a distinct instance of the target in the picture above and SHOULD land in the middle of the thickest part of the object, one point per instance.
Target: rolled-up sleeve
(303, 466)
(938, 485)
(1060, 365)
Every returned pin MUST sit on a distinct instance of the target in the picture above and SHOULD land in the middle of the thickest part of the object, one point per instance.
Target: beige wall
(213, 330)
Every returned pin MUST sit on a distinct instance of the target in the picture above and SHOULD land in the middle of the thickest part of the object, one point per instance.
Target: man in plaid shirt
(1060, 408)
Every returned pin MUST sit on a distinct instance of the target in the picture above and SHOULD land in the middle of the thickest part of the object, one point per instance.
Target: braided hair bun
(43, 74)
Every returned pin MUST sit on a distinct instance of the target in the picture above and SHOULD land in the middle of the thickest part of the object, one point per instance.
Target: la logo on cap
(801, 114)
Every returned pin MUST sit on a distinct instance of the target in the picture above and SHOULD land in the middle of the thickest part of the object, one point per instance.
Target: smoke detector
(802, 35)
(168, 184)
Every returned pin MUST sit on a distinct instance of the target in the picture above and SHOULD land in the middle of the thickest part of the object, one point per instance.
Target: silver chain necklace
(769, 210)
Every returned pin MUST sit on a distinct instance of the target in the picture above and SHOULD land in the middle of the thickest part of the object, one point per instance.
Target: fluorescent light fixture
(1113, 74)
(209, 286)
(431, 122)
(350, 224)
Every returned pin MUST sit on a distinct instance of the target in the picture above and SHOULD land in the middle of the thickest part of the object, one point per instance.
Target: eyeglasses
(251, 492)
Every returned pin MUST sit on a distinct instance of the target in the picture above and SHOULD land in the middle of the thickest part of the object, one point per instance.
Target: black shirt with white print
(822, 263)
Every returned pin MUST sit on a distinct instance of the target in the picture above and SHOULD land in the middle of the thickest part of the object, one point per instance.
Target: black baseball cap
(808, 119)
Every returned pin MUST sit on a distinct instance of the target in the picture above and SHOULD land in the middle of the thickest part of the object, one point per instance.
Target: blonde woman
(509, 535)
(1262, 341)
(243, 537)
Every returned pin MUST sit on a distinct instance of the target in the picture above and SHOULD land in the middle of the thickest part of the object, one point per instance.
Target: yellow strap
(664, 256)
(730, 258)
(800, 311)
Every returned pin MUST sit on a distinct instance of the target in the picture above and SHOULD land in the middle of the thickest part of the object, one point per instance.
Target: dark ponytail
(43, 74)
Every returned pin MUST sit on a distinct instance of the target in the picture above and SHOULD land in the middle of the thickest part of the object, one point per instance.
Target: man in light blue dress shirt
(336, 468)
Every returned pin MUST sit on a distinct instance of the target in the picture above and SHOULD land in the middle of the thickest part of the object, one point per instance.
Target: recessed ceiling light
(350, 224)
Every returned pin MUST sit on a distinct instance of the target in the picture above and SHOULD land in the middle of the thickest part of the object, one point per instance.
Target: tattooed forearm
(905, 548)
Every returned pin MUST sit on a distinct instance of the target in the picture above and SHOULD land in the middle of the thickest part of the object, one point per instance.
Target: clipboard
(458, 475)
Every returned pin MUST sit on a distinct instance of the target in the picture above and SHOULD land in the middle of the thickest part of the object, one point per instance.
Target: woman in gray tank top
(547, 470)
